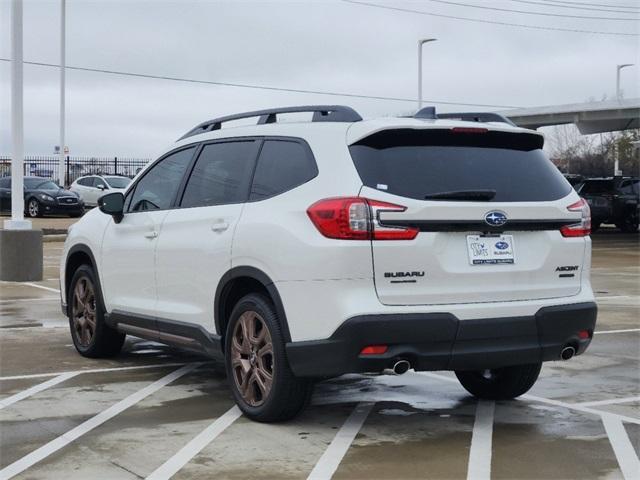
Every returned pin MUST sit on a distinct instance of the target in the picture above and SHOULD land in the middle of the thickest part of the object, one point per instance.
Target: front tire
(500, 383)
(91, 335)
(262, 383)
(33, 208)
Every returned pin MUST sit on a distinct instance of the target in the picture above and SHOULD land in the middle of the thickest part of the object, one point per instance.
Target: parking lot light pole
(20, 245)
(17, 221)
(618, 68)
(63, 65)
(420, 44)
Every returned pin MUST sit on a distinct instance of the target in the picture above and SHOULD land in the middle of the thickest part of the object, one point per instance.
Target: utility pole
(420, 43)
(63, 59)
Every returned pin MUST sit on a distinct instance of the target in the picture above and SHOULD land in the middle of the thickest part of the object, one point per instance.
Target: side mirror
(112, 204)
(101, 186)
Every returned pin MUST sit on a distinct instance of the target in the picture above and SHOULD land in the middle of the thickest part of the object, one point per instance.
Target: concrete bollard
(21, 256)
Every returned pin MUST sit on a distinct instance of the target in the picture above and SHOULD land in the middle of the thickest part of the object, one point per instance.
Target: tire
(91, 335)
(75, 215)
(249, 371)
(595, 226)
(33, 208)
(501, 383)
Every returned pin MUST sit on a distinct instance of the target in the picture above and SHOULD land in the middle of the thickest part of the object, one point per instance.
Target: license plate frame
(491, 249)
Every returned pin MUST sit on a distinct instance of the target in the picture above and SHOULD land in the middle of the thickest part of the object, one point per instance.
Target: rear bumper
(440, 341)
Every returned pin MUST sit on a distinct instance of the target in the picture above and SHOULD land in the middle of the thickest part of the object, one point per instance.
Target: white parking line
(95, 370)
(613, 401)
(41, 286)
(63, 440)
(622, 447)
(36, 388)
(333, 455)
(548, 401)
(195, 446)
(481, 439)
(628, 330)
(29, 300)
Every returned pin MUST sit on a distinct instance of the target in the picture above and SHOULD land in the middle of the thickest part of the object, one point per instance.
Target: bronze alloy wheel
(83, 309)
(252, 358)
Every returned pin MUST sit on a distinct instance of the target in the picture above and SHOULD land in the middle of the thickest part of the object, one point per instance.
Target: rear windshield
(419, 163)
(597, 186)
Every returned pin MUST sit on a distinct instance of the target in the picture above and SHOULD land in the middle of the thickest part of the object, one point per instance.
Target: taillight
(356, 218)
(583, 228)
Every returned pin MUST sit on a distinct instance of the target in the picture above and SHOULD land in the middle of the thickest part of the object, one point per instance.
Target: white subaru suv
(298, 251)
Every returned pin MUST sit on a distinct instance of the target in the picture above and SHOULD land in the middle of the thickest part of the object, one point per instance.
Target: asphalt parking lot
(154, 412)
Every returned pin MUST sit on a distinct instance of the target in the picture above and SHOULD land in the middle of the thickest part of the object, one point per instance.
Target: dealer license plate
(490, 249)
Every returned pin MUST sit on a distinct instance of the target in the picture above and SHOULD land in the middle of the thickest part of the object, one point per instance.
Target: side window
(98, 181)
(221, 174)
(5, 183)
(282, 166)
(157, 188)
(86, 182)
(627, 187)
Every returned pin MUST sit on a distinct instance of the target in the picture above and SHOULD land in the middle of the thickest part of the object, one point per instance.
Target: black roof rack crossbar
(477, 117)
(321, 113)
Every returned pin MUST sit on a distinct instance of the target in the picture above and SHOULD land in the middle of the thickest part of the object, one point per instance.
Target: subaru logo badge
(495, 218)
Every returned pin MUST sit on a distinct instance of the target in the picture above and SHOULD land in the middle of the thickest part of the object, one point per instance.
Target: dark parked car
(41, 197)
(612, 200)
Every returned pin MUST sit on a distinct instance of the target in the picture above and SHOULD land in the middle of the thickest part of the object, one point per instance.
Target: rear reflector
(583, 228)
(374, 350)
(584, 334)
(356, 218)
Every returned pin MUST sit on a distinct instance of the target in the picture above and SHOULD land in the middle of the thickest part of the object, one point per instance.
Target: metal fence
(75, 167)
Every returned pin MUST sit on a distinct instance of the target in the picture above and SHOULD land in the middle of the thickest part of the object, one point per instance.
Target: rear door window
(283, 165)
(221, 175)
(421, 163)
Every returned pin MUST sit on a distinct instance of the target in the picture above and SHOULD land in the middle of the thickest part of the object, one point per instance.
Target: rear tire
(262, 383)
(91, 335)
(500, 383)
(628, 225)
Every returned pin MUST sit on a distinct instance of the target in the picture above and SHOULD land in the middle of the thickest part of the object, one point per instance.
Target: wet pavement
(157, 412)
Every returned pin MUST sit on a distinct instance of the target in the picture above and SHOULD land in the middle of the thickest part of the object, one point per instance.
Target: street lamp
(618, 68)
(63, 66)
(420, 43)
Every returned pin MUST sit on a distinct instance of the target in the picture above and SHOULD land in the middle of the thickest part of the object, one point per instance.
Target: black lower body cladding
(440, 341)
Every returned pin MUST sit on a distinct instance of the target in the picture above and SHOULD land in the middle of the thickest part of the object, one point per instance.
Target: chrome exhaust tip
(399, 368)
(567, 353)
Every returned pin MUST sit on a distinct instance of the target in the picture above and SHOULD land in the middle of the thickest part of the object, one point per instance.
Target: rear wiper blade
(468, 195)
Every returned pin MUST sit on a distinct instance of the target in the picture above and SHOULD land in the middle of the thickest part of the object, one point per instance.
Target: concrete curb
(54, 238)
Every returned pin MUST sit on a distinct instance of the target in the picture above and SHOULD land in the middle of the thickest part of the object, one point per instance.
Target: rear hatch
(489, 206)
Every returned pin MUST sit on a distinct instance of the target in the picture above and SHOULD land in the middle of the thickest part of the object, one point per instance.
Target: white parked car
(92, 187)
(301, 251)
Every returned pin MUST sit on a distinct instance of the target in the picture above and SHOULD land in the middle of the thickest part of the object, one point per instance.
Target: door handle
(220, 226)
(152, 234)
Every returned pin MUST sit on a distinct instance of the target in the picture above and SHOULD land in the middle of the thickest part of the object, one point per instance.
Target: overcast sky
(326, 45)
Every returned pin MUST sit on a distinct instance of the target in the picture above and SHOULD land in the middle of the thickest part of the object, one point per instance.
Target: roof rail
(477, 117)
(321, 113)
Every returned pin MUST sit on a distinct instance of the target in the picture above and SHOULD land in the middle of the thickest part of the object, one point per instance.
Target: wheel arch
(238, 282)
(80, 254)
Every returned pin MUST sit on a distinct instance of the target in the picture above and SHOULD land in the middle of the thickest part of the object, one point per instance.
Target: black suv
(612, 200)
(42, 196)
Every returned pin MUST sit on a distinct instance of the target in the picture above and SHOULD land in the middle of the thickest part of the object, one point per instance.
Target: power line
(595, 4)
(556, 5)
(528, 12)
(476, 20)
(255, 86)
